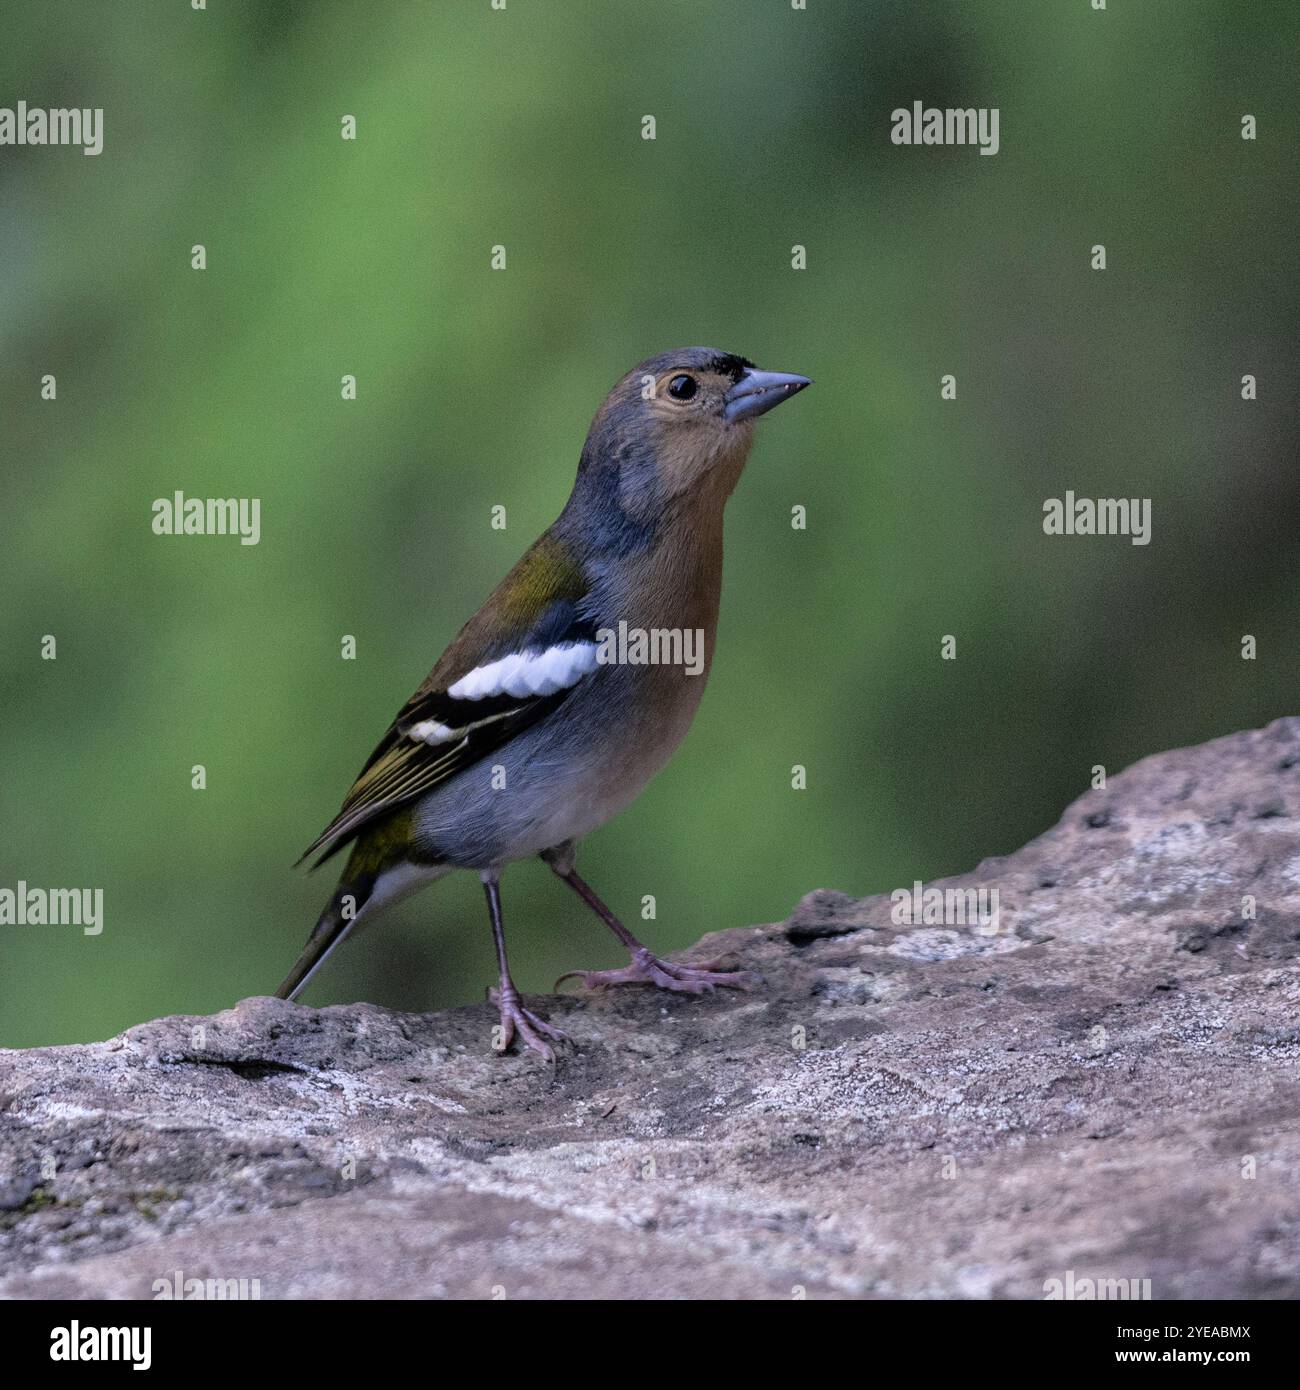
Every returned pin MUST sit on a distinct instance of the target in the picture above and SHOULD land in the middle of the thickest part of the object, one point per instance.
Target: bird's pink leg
(645, 968)
(514, 1017)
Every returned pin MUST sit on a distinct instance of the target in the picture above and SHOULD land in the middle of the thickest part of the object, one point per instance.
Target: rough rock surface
(1106, 1084)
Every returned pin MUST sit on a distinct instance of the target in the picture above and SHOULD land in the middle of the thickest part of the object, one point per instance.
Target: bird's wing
(516, 660)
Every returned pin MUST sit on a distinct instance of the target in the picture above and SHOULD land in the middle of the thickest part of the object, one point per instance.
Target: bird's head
(681, 423)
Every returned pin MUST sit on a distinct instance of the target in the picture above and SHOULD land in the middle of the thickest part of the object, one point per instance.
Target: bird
(561, 698)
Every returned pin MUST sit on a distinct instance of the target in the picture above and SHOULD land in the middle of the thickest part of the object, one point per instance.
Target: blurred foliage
(523, 127)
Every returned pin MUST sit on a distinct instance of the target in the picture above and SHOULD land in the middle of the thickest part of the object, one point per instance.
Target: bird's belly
(565, 777)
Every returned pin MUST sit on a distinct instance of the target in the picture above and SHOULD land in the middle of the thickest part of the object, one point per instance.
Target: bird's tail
(335, 925)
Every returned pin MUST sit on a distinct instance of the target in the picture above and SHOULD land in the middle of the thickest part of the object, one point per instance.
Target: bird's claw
(515, 1019)
(647, 969)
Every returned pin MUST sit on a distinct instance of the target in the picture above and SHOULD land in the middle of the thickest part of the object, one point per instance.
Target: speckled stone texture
(1107, 1085)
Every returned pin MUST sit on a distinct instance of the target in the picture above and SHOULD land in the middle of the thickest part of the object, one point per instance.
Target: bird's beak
(757, 392)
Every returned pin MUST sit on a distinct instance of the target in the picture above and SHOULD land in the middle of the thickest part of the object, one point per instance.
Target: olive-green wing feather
(536, 609)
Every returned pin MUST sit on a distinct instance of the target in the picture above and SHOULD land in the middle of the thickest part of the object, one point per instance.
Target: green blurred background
(523, 127)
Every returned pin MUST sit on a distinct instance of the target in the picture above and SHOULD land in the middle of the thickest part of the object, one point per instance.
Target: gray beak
(757, 392)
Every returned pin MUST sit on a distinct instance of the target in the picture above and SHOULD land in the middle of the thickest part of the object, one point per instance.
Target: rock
(1105, 1084)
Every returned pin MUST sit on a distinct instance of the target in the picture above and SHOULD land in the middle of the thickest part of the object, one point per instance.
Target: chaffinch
(573, 684)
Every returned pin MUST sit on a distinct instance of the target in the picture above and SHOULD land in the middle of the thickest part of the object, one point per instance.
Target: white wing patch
(431, 732)
(527, 673)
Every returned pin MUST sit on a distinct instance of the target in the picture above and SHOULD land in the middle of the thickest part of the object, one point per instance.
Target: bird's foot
(515, 1019)
(647, 969)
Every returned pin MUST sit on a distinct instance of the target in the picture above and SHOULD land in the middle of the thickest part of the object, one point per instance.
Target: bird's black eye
(682, 388)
